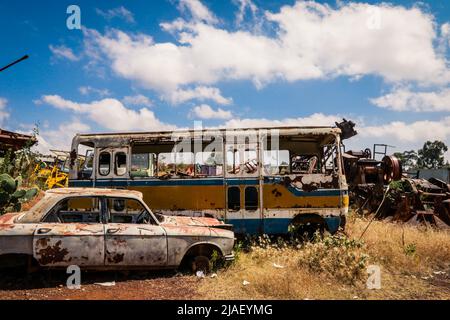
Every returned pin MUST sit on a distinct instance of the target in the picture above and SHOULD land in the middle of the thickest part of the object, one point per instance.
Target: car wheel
(200, 263)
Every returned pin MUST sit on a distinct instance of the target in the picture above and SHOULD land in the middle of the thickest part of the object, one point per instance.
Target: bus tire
(308, 226)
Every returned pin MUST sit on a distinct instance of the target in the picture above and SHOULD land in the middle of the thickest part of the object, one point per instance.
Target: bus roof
(282, 131)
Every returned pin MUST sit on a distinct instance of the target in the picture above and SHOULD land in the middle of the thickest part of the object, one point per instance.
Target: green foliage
(7, 163)
(410, 249)
(431, 156)
(408, 159)
(11, 198)
(337, 256)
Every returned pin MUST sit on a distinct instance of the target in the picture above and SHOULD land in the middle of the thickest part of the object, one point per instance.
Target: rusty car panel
(65, 244)
(135, 245)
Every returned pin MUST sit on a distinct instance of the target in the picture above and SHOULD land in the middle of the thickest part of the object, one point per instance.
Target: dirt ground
(414, 262)
(155, 285)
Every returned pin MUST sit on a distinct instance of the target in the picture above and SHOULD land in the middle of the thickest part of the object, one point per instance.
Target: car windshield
(35, 213)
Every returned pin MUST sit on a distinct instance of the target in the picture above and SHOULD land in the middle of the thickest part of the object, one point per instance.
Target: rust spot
(276, 193)
(51, 254)
(117, 258)
(42, 242)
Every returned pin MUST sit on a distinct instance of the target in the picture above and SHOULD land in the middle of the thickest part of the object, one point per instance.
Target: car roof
(53, 196)
(94, 192)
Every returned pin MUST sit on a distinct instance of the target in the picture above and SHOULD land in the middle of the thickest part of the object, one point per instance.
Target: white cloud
(87, 90)
(401, 135)
(312, 41)
(199, 93)
(204, 111)
(245, 5)
(119, 12)
(4, 114)
(445, 33)
(137, 100)
(316, 119)
(406, 100)
(61, 137)
(63, 52)
(198, 11)
(111, 114)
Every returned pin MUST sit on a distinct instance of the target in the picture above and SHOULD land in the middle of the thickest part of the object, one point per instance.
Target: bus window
(87, 165)
(233, 163)
(120, 163)
(208, 164)
(250, 161)
(251, 199)
(179, 163)
(104, 163)
(305, 164)
(234, 199)
(142, 164)
(276, 162)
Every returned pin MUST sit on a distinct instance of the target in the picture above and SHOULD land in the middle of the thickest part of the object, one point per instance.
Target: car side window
(75, 210)
(124, 210)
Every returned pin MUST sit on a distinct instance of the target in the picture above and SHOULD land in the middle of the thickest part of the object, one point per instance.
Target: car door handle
(43, 230)
(115, 230)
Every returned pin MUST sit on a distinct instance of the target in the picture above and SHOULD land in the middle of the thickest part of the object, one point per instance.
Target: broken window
(123, 210)
(250, 161)
(329, 160)
(208, 163)
(120, 161)
(142, 164)
(233, 162)
(305, 164)
(178, 163)
(75, 210)
(234, 199)
(276, 162)
(104, 163)
(251, 198)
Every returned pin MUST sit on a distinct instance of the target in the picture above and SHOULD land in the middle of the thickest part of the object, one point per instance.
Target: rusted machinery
(368, 177)
(407, 200)
(419, 201)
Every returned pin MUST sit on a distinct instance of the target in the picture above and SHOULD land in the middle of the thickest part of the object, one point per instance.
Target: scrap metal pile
(380, 186)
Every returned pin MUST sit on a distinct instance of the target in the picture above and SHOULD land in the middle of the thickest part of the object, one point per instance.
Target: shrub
(335, 256)
(11, 197)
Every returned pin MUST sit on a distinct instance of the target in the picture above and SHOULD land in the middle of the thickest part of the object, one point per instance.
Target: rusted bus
(233, 175)
(123, 234)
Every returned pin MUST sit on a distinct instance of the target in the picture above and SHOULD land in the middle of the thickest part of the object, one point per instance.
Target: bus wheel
(308, 227)
(200, 263)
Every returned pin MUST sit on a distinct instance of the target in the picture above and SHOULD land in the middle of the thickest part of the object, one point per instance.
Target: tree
(408, 159)
(431, 156)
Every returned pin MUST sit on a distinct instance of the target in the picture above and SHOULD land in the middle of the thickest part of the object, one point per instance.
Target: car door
(131, 240)
(71, 233)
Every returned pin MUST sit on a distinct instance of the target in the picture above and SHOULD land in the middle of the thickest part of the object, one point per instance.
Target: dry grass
(411, 260)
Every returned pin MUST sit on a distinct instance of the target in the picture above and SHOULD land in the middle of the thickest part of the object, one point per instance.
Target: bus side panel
(284, 200)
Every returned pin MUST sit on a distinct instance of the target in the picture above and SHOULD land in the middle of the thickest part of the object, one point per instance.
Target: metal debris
(106, 284)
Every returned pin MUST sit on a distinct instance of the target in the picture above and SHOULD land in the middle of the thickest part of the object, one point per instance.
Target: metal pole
(13, 63)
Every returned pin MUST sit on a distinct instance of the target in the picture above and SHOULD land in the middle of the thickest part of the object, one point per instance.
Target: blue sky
(152, 65)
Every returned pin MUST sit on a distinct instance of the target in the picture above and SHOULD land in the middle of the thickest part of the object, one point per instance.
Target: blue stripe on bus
(273, 225)
(203, 182)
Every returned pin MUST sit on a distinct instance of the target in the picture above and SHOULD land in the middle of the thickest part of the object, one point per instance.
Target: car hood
(9, 218)
(191, 221)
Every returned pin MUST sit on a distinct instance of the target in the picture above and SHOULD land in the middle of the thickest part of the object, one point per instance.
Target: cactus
(11, 198)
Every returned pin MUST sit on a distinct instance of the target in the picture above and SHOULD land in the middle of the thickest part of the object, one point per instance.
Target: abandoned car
(108, 229)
